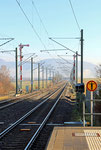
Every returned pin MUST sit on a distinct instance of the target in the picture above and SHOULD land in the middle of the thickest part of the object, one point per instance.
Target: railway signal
(20, 48)
(79, 87)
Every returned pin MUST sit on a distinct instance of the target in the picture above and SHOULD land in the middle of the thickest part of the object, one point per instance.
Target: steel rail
(18, 100)
(42, 124)
(5, 106)
(19, 97)
(3, 133)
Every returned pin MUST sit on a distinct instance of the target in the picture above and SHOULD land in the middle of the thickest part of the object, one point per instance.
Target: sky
(56, 20)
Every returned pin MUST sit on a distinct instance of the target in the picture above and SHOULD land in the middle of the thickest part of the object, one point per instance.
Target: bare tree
(4, 70)
(5, 83)
(98, 71)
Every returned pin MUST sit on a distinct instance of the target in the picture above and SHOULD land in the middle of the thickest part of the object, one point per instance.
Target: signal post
(20, 48)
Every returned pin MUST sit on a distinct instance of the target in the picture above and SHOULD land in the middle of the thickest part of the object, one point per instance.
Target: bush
(5, 82)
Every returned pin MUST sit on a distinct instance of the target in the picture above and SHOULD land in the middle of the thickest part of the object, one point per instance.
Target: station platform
(75, 138)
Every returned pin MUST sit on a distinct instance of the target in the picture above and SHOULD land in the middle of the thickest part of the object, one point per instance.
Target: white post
(91, 108)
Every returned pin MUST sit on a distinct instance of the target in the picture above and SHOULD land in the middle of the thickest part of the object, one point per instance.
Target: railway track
(6, 103)
(10, 114)
(14, 100)
(62, 113)
(17, 137)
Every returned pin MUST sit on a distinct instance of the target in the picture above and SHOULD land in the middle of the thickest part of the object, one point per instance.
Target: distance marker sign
(91, 85)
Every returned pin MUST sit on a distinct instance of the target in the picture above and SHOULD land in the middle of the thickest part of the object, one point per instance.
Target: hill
(89, 68)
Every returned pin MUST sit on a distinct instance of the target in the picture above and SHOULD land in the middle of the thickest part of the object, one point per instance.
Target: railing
(91, 110)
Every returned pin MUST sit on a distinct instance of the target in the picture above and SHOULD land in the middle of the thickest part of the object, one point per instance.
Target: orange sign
(91, 85)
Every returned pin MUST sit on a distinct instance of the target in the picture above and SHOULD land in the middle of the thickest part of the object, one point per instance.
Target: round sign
(91, 85)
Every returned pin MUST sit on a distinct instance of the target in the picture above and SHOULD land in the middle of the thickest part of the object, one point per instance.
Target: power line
(58, 64)
(40, 18)
(27, 59)
(66, 38)
(8, 40)
(74, 15)
(53, 50)
(62, 45)
(64, 59)
(31, 24)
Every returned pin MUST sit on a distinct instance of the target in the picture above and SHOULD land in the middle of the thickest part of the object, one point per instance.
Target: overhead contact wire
(31, 24)
(40, 19)
(74, 15)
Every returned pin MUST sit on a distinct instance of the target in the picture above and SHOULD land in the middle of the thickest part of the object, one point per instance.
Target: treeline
(5, 81)
(98, 104)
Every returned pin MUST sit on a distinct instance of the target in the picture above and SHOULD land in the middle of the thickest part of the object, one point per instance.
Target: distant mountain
(8, 64)
(89, 68)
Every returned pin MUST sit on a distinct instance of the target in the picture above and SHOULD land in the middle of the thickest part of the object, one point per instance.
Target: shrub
(5, 81)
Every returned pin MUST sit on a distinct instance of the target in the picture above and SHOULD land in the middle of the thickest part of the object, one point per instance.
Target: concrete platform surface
(75, 138)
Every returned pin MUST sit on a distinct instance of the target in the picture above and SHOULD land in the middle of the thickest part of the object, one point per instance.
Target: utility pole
(53, 77)
(20, 48)
(76, 67)
(31, 74)
(46, 77)
(38, 76)
(16, 65)
(42, 76)
(20, 67)
(82, 55)
(81, 96)
(50, 77)
(58, 76)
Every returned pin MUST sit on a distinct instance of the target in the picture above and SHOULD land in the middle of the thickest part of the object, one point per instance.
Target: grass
(24, 84)
(3, 97)
(28, 83)
(75, 115)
